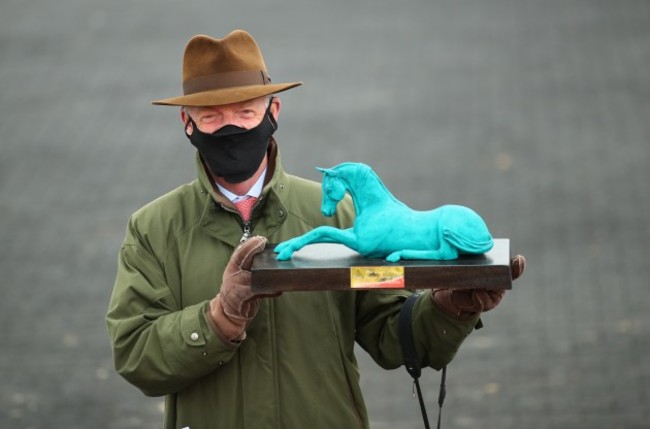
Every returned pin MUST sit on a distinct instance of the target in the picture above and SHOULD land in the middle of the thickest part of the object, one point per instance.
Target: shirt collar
(255, 191)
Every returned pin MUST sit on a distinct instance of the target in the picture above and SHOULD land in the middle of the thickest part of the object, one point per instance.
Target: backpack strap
(411, 360)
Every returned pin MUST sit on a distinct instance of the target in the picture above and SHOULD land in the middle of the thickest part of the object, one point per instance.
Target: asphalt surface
(534, 113)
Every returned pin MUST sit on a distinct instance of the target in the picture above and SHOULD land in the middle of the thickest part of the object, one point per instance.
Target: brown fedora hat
(224, 71)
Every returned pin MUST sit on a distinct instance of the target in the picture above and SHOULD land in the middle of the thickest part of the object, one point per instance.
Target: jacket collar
(220, 217)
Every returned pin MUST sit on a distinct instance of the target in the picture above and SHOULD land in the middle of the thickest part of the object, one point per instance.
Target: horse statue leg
(322, 234)
(445, 252)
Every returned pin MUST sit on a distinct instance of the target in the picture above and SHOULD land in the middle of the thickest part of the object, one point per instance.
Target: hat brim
(217, 97)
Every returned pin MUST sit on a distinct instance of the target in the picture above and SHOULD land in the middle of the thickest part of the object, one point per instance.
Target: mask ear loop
(268, 114)
(189, 123)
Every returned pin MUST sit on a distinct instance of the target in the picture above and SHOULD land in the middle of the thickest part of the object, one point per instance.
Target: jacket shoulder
(159, 222)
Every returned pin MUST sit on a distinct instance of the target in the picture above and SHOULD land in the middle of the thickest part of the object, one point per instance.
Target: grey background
(534, 113)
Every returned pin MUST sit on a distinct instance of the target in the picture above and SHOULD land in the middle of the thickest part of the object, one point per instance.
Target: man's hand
(236, 305)
(467, 303)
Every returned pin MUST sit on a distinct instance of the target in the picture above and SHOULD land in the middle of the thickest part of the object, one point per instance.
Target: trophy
(390, 245)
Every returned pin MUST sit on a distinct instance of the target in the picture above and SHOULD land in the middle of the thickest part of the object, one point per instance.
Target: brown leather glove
(465, 304)
(236, 305)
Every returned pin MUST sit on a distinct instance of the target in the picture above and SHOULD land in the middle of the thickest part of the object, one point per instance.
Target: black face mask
(232, 152)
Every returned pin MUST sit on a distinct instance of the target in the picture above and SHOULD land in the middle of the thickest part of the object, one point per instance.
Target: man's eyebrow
(205, 111)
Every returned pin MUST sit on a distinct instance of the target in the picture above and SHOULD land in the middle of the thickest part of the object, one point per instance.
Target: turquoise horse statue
(385, 227)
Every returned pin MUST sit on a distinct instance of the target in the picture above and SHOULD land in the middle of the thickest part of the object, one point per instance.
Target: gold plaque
(384, 277)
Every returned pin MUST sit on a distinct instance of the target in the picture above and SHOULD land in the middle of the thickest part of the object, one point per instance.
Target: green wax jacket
(296, 368)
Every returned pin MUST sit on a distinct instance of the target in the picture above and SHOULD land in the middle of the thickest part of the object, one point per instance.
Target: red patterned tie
(245, 206)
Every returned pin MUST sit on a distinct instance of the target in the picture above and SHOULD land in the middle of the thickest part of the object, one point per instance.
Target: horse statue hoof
(394, 257)
(284, 251)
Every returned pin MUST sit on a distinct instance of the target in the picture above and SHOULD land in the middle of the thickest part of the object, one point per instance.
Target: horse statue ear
(329, 171)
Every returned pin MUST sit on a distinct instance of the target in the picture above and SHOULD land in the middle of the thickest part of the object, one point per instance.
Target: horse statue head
(334, 190)
(338, 181)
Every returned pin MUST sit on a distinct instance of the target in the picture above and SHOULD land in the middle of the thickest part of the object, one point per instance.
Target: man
(183, 321)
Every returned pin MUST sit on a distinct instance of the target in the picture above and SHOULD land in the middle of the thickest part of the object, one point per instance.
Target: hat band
(225, 80)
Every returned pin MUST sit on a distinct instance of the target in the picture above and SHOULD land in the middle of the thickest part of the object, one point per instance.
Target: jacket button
(281, 213)
(194, 336)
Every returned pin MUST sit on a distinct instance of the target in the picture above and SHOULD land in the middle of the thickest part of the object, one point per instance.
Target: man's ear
(185, 117)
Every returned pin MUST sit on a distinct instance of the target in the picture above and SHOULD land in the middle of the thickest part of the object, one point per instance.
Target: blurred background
(534, 113)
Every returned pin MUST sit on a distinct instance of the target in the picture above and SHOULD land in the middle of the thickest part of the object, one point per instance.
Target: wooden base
(320, 267)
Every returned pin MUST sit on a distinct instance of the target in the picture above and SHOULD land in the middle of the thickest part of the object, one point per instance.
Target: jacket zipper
(246, 232)
(247, 228)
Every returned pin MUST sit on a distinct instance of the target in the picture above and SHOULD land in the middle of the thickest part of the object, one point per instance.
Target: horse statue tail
(469, 233)
(470, 245)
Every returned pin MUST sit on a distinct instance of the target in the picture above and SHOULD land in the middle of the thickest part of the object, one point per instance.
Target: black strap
(411, 361)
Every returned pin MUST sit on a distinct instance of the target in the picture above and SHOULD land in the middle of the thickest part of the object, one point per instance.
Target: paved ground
(535, 113)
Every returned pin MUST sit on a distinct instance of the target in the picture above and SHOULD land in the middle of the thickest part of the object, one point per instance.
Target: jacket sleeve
(157, 346)
(437, 337)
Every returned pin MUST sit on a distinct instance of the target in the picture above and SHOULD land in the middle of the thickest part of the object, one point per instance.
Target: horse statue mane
(385, 227)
